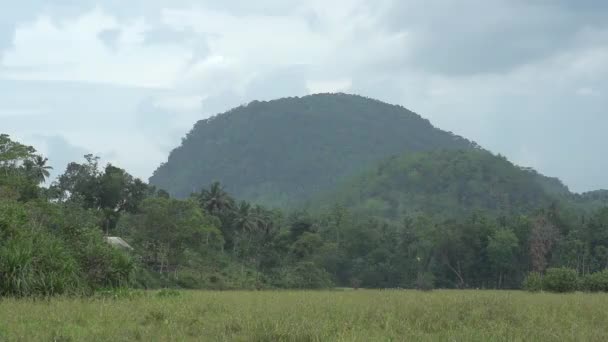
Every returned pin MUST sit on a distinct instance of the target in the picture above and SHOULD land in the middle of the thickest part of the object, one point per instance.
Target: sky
(126, 80)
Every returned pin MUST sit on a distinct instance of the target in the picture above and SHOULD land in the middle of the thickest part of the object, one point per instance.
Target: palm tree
(265, 220)
(37, 168)
(215, 200)
(245, 218)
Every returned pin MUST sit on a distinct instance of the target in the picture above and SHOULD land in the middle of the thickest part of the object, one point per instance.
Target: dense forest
(283, 152)
(450, 183)
(428, 216)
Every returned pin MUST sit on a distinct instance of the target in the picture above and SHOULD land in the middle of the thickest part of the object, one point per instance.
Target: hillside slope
(283, 151)
(448, 183)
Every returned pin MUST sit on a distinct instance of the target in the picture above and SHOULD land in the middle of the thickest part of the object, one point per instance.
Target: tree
(15, 180)
(169, 227)
(542, 238)
(37, 169)
(502, 249)
(12, 153)
(300, 223)
(246, 219)
(111, 191)
(215, 200)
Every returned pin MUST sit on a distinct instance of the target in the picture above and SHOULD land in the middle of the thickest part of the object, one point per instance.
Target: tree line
(52, 239)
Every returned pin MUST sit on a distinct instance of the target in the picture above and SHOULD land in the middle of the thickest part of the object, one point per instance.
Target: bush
(48, 249)
(533, 282)
(34, 263)
(425, 281)
(596, 282)
(304, 275)
(560, 280)
(101, 265)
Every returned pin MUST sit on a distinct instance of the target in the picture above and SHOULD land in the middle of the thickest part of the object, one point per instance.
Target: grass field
(363, 315)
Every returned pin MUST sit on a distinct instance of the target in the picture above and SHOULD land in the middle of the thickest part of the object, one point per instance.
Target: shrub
(34, 263)
(304, 275)
(596, 282)
(425, 281)
(102, 266)
(533, 282)
(560, 280)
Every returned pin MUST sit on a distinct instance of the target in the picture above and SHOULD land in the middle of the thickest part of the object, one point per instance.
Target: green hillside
(282, 152)
(448, 183)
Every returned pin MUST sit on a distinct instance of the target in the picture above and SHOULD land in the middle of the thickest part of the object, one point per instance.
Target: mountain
(282, 152)
(450, 183)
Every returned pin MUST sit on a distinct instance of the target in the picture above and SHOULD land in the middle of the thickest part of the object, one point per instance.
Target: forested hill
(283, 151)
(450, 183)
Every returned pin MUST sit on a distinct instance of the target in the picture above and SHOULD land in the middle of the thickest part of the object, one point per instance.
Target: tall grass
(311, 316)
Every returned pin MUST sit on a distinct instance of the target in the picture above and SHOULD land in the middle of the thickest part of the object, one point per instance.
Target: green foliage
(442, 219)
(595, 282)
(21, 170)
(425, 281)
(36, 264)
(164, 229)
(301, 146)
(560, 280)
(110, 192)
(47, 249)
(452, 183)
(533, 282)
(304, 275)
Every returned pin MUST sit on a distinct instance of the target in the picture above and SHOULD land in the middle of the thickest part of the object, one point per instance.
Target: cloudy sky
(127, 79)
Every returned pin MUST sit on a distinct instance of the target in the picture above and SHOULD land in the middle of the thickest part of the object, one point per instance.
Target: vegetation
(49, 248)
(444, 219)
(560, 280)
(533, 282)
(565, 279)
(451, 183)
(282, 152)
(445, 214)
(363, 315)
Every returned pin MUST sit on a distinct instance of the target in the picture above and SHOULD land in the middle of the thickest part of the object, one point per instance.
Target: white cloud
(71, 50)
(328, 86)
(586, 91)
(180, 103)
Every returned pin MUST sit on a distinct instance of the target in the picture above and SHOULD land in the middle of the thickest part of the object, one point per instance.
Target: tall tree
(502, 250)
(37, 168)
(215, 200)
(111, 191)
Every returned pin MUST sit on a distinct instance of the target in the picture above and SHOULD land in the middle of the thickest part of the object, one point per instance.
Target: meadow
(362, 315)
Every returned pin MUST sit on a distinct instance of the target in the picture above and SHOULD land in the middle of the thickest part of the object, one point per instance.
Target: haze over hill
(281, 152)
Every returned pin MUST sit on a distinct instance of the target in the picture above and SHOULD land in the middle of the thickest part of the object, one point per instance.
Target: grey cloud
(468, 37)
(162, 127)
(279, 83)
(221, 102)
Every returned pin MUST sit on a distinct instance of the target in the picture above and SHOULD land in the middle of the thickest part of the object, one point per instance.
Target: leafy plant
(533, 282)
(595, 282)
(560, 280)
